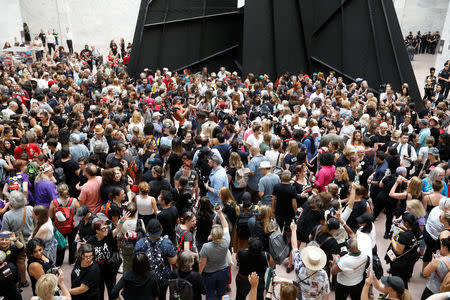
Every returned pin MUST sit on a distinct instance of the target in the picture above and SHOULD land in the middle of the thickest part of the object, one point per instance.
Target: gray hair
(17, 199)
(186, 261)
(2, 256)
(434, 174)
(444, 204)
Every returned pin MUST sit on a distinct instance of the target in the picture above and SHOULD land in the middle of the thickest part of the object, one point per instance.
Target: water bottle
(388, 172)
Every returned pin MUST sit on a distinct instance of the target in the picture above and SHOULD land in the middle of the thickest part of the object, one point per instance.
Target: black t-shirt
(114, 210)
(72, 179)
(89, 276)
(344, 187)
(330, 247)
(378, 138)
(103, 248)
(204, 226)
(168, 218)
(86, 230)
(249, 263)
(175, 163)
(9, 277)
(407, 238)
(283, 205)
(11, 254)
(114, 162)
(307, 221)
(157, 185)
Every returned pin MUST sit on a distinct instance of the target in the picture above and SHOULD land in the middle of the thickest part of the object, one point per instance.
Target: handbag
(114, 262)
(229, 259)
(60, 240)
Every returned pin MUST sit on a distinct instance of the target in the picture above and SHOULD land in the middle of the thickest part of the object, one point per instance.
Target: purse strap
(412, 247)
(23, 219)
(278, 159)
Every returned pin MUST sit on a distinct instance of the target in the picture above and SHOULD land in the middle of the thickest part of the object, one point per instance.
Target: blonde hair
(348, 150)
(414, 187)
(46, 286)
(415, 207)
(235, 160)
(266, 217)
(344, 173)
(63, 190)
(217, 233)
(136, 118)
(144, 188)
(333, 189)
(293, 148)
(266, 125)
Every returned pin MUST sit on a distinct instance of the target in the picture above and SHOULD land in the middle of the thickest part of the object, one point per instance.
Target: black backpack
(59, 175)
(242, 229)
(180, 289)
(202, 163)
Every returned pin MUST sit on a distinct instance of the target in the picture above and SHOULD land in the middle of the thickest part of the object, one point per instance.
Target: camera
(54, 271)
(226, 117)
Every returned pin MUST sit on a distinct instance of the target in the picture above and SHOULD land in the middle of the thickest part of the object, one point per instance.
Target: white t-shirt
(69, 36)
(424, 152)
(51, 39)
(272, 155)
(144, 205)
(353, 268)
(252, 141)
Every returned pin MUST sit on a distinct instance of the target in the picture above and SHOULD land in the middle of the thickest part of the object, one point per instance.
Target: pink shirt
(324, 177)
(90, 194)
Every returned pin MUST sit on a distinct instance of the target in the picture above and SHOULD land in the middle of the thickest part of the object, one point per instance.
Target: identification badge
(391, 255)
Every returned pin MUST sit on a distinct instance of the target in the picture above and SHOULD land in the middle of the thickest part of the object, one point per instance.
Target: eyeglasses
(103, 229)
(88, 257)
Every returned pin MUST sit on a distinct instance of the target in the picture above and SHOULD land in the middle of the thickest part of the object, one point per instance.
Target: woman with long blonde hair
(413, 191)
(136, 121)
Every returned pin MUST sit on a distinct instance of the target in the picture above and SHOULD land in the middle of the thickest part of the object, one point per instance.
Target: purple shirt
(45, 192)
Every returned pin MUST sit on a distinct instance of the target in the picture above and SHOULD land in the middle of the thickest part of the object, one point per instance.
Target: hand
(13, 237)
(293, 226)
(60, 277)
(369, 278)
(399, 180)
(253, 279)
(125, 217)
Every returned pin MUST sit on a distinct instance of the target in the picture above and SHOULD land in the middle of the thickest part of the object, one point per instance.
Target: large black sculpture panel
(354, 38)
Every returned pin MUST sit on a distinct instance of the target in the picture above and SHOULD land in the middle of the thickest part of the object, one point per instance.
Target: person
(9, 279)
(90, 191)
(71, 171)
(48, 284)
(105, 245)
(284, 200)
(11, 246)
(45, 186)
(138, 283)
(84, 220)
(212, 259)
(161, 253)
(168, 215)
(402, 252)
(350, 270)
(438, 268)
(326, 172)
(392, 287)
(85, 275)
(19, 220)
(185, 271)
(308, 266)
(44, 230)
(69, 40)
(250, 260)
(20, 181)
(205, 217)
(267, 183)
(185, 233)
(218, 178)
(38, 263)
(255, 172)
(64, 200)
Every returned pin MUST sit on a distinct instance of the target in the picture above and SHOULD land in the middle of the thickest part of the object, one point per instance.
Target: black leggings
(109, 279)
(432, 246)
(354, 291)
(72, 249)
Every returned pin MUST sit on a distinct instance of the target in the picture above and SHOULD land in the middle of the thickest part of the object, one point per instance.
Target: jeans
(354, 291)
(216, 283)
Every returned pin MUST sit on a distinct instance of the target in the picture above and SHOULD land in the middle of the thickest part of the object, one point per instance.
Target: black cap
(154, 228)
(333, 223)
(82, 211)
(364, 218)
(395, 282)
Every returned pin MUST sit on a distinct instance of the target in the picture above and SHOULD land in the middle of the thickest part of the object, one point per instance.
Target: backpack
(314, 241)
(15, 183)
(242, 229)
(156, 259)
(59, 175)
(241, 178)
(105, 208)
(66, 226)
(278, 247)
(180, 289)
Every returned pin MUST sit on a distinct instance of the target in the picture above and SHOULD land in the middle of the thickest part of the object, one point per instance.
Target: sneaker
(289, 269)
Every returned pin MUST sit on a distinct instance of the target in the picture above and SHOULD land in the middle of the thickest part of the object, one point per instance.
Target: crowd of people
(171, 178)
(422, 43)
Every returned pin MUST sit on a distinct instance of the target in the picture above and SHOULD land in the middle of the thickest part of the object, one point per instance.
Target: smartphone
(217, 206)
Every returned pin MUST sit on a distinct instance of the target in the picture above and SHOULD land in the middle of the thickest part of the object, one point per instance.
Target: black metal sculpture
(354, 38)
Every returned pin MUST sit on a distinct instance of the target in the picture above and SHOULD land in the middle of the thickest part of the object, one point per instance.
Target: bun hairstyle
(63, 190)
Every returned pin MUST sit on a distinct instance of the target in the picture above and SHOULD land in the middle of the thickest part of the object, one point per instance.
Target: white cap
(315, 129)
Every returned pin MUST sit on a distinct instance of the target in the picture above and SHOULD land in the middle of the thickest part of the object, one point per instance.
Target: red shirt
(33, 150)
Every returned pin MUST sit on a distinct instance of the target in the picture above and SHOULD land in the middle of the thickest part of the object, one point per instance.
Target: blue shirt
(217, 179)
(424, 133)
(307, 145)
(253, 165)
(427, 187)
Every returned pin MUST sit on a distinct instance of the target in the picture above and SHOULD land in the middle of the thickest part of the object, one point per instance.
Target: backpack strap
(326, 240)
(55, 201)
(70, 202)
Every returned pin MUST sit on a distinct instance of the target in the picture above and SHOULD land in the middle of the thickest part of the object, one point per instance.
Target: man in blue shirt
(217, 179)
(312, 142)
(424, 133)
(255, 172)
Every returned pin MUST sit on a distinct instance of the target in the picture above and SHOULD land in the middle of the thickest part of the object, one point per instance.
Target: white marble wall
(93, 22)
(10, 21)
(445, 55)
(423, 15)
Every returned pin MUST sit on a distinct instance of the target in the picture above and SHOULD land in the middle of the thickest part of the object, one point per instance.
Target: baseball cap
(364, 218)
(423, 121)
(315, 129)
(433, 151)
(265, 165)
(82, 211)
(395, 282)
(246, 200)
(154, 228)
